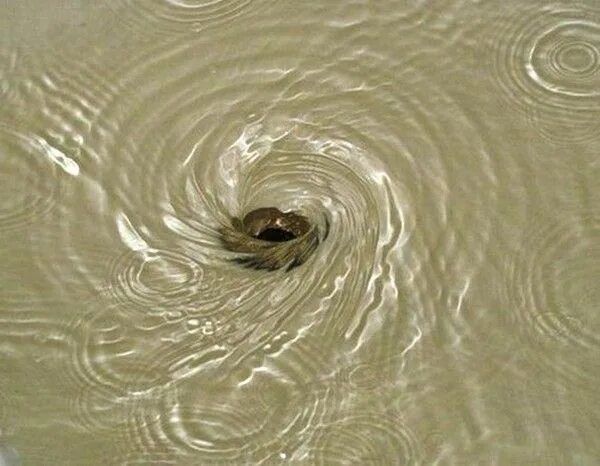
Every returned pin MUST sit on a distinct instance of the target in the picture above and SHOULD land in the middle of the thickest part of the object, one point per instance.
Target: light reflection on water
(449, 317)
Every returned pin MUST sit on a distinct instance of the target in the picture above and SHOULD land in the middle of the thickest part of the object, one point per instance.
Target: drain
(276, 235)
(271, 239)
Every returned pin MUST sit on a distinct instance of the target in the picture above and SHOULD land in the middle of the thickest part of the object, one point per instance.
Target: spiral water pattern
(139, 156)
(220, 137)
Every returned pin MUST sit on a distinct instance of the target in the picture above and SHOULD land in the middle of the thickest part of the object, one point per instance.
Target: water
(450, 317)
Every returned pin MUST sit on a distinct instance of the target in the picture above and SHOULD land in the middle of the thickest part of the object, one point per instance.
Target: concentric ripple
(364, 439)
(554, 290)
(107, 344)
(548, 63)
(179, 16)
(227, 422)
(156, 280)
(565, 59)
(118, 358)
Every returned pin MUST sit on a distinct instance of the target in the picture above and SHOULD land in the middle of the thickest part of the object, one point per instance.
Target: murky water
(452, 314)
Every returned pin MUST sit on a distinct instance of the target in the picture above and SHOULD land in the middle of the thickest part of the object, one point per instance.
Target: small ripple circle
(156, 280)
(553, 288)
(365, 438)
(547, 63)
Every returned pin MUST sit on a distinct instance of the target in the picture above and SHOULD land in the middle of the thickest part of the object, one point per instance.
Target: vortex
(271, 239)
(179, 16)
(553, 288)
(323, 132)
(378, 439)
(195, 193)
(547, 62)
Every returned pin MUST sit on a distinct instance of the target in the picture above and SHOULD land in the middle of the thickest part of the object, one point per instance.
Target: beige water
(451, 317)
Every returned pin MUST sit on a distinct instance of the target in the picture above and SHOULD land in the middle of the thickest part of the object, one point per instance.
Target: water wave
(547, 62)
(225, 421)
(9, 58)
(156, 281)
(364, 439)
(179, 16)
(553, 289)
(105, 361)
(322, 132)
(29, 177)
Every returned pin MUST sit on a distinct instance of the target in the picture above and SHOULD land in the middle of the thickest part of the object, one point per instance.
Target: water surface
(450, 317)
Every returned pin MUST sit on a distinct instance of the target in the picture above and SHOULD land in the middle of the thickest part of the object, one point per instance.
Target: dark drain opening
(271, 239)
(276, 235)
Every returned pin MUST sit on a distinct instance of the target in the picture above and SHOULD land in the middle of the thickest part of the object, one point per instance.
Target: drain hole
(285, 239)
(276, 235)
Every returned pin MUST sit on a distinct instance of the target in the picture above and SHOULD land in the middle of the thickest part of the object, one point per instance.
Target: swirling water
(451, 150)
